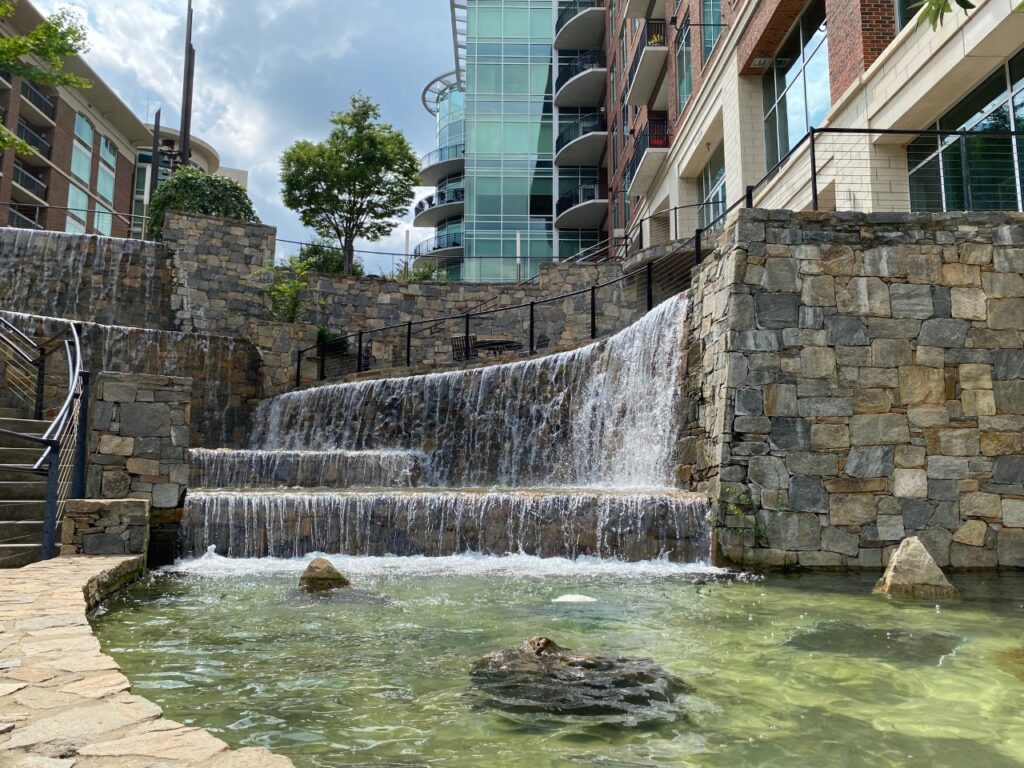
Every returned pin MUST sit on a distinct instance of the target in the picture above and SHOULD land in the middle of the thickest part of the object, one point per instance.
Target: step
(307, 469)
(30, 490)
(18, 511)
(22, 473)
(13, 413)
(20, 456)
(25, 426)
(21, 532)
(547, 522)
(19, 555)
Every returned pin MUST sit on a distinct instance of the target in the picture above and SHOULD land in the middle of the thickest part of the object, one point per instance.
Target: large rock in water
(541, 679)
(321, 576)
(913, 573)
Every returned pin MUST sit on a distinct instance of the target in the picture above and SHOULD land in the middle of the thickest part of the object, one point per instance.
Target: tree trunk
(349, 248)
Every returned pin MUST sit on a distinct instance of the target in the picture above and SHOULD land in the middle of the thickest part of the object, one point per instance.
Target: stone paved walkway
(63, 703)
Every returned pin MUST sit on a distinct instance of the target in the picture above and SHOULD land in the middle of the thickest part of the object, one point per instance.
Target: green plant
(39, 58)
(287, 292)
(322, 255)
(356, 183)
(420, 274)
(190, 190)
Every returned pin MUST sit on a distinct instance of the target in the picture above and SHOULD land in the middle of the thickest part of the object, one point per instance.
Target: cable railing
(574, 9)
(582, 63)
(62, 447)
(596, 122)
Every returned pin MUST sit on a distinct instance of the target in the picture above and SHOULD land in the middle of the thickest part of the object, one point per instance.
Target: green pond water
(785, 671)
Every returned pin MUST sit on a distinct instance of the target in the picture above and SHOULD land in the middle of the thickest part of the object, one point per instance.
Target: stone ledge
(63, 703)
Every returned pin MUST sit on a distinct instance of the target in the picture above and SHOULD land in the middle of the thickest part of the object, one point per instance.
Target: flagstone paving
(63, 703)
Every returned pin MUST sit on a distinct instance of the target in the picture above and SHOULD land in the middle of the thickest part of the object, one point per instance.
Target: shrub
(190, 190)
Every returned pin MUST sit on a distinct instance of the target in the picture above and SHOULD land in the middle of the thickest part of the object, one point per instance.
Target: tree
(323, 256)
(190, 190)
(355, 183)
(39, 58)
(934, 11)
(287, 291)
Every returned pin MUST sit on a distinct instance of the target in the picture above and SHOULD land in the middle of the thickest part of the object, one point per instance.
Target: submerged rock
(321, 576)
(913, 573)
(884, 644)
(540, 678)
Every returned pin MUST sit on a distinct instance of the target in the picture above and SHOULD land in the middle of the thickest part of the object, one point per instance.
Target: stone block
(890, 528)
(1011, 548)
(972, 558)
(975, 376)
(828, 437)
(870, 461)
(1009, 260)
(942, 301)
(1009, 396)
(749, 402)
(119, 392)
(955, 442)
(852, 509)
(1006, 314)
(817, 362)
(943, 490)
(961, 275)
(104, 544)
(115, 445)
(780, 400)
(879, 429)
(1013, 513)
(820, 291)
(148, 467)
(757, 425)
(1008, 364)
(145, 420)
(817, 464)
(937, 541)
(983, 505)
(872, 400)
(794, 530)
(807, 494)
(916, 513)
(864, 296)
(912, 301)
(927, 416)
(846, 331)
(836, 540)
(948, 468)
(812, 559)
(1003, 285)
(166, 496)
(891, 353)
(777, 310)
(972, 534)
(921, 385)
(969, 304)
(768, 472)
(825, 407)
(910, 457)
(1008, 470)
(780, 275)
(115, 484)
(910, 483)
(944, 333)
(790, 434)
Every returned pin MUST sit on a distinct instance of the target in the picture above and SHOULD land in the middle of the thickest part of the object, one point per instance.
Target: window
(712, 29)
(83, 130)
(78, 205)
(976, 172)
(103, 220)
(684, 67)
(73, 227)
(797, 92)
(105, 184)
(905, 11)
(81, 162)
(108, 152)
(711, 188)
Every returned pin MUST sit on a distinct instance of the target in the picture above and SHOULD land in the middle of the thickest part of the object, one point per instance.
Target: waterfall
(307, 469)
(552, 523)
(605, 415)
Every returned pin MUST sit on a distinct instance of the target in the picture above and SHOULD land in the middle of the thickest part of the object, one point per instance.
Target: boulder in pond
(321, 576)
(541, 680)
(913, 573)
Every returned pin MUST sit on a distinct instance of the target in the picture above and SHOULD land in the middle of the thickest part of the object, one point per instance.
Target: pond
(806, 670)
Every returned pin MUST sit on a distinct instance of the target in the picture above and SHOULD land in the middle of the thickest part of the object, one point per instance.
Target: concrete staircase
(22, 494)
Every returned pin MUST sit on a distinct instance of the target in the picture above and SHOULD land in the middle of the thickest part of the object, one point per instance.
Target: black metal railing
(444, 197)
(584, 193)
(657, 134)
(582, 63)
(574, 9)
(439, 243)
(444, 155)
(596, 122)
(19, 220)
(38, 99)
(34, 139)
(63, 446)
(29, 181)
(652, 34)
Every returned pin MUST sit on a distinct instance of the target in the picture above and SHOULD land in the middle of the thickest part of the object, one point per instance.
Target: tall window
(711, 188)
(796, 87)
(711, 18)
(105, 184)
(81, 150)
(905, 11)
(684, 65)
(976, 172)
(78, 209)
(103, 220)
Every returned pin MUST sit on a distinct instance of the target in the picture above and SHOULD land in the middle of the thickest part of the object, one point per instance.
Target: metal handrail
(22, 219)
(574, 9)
(652, 34)
(584, 193)
(439, 243)
(444, 197)
(657, 134)
(595, 122)
(27, 134)
(39, 100)
(582, 63)
(443, 155)
(25, 179)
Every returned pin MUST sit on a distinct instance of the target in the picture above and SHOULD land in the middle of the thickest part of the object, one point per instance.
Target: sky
(271, 72)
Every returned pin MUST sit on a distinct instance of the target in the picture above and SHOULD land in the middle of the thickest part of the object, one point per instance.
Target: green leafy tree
(934, 11)
(287, 291)
(39, 57)
(190, 190)
(356, 183)
(323, 256)
(419, 274)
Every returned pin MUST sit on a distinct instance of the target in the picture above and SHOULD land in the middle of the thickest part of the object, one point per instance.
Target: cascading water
(567, 455)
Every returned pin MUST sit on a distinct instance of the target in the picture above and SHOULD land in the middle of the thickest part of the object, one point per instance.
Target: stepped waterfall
(566, 455)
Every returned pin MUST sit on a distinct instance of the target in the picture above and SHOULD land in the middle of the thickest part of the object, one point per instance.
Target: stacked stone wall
(863, 381)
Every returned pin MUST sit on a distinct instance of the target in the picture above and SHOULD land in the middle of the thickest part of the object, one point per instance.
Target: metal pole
(750, 197)
(965, 164)
(40, 383)
(650, 286)
(408, 345)
(359, 359)
(321, 360)
(52, 499)
(298, 369)
(467, 336)
(814, 173)
(81, 440)
(533, 328)
(593, 312)
(519, 257)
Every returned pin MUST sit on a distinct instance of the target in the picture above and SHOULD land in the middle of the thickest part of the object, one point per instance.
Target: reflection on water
(789, 671)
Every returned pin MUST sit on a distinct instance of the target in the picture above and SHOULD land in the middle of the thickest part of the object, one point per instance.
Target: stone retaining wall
(863, 381)
(105, 527)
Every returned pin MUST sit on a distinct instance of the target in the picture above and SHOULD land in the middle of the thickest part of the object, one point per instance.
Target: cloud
(270, 72)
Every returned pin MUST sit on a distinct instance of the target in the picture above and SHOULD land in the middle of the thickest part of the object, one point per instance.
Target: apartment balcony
(442, 162)
(37, 107)
(580, 25)
(583, 143)
(647, 80)
(439, 250)
(650, 151)
(645, 9)
(20, 221)
(581, 82)
(434, 209)
(582, 208)
(5, 81)
(26, 187)
(33, 138)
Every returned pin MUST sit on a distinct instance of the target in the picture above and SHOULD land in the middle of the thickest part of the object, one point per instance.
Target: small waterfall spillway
(566, 455)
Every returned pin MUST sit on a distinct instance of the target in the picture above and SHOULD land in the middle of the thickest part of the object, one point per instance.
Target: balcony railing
(27, 134)
(582, 194)
(443, 155)
(593, 123)
(17, 219)
(652, 34)
(579, 65)
(439, 243)
(27, 181)
(40, 100)
(445, 197)
(655, 135)
(574, 9)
